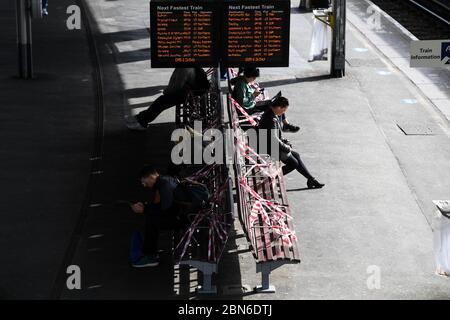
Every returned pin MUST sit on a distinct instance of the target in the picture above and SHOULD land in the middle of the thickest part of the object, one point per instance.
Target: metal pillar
(207, 287)
(207, 269)
(24, 40)
(338, 42)
(266, 268)
(265, 286)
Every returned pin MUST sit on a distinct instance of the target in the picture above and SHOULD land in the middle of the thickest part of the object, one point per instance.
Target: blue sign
(445, 55)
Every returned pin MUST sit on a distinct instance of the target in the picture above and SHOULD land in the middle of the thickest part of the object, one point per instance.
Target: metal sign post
(338, 42)
(25, 11)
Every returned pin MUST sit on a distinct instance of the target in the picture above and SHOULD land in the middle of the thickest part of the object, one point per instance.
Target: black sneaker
(146, 261)
(287, 127)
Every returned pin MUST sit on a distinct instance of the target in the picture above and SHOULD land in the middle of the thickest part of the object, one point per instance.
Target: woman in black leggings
(291, 159)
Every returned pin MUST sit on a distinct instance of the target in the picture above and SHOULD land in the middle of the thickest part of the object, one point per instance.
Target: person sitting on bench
(245, 95)
(160, 209)
(182, 81)
(291, 159)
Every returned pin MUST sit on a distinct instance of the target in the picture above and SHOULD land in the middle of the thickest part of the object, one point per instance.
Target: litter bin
(320, 38)
(441, 237)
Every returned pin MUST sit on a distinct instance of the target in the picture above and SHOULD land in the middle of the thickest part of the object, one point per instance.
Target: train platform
(377, 140)
(392, 40)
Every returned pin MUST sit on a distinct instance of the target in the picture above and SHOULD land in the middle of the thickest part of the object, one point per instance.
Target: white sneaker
(133, 124)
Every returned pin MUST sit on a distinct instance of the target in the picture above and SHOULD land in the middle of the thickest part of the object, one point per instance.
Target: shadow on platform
(104, 247)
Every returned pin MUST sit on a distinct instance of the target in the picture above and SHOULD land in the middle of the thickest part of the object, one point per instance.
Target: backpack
(194, 193)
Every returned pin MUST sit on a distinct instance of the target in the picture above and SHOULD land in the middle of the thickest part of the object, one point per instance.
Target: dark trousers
(294, 162)
(164, 102)
(151, 233)
(155, 220)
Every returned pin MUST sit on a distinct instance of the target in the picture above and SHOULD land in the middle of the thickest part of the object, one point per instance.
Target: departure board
(184, 33)
(255, 33)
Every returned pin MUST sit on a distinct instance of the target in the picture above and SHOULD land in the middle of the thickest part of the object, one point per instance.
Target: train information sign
(183, 33)
(256, 33)
(234, 33)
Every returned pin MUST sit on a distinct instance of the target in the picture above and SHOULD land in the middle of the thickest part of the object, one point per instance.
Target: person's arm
(243, 95)
(273, 133)
(165, 193)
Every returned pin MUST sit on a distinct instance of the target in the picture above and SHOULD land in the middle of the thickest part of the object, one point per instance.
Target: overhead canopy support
(24, 40)
(338, 42)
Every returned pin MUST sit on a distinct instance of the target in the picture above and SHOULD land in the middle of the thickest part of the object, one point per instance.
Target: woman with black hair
(245, 94)
(284, 152)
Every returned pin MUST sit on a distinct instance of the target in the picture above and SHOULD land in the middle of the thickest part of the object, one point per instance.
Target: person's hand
(287, 142)
(256, 93)
(138, 207)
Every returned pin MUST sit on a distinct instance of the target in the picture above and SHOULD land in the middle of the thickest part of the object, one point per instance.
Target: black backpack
(192, 193)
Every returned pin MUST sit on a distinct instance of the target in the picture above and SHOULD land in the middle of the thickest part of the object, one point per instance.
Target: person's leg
(291, 164)
(162, 103)
(151, 232)
(287, 126)
(301, 166)
(294, 162)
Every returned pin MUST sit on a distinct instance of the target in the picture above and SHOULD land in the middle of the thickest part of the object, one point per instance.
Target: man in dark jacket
(270, 122)
(159, 208)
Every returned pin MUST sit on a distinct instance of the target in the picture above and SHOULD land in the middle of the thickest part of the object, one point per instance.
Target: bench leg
(207, 287)
(207, 269)
(265, 286)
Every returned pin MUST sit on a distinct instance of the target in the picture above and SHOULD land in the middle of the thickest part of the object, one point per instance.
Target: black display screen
(255, 33)
(236, 33)
(184, 34)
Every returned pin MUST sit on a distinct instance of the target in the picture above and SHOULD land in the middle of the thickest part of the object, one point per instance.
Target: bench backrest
(265, 242)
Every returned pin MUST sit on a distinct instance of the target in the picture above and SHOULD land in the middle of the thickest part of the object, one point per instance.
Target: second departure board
(255, 33)
(236, 33)
(184, 33)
